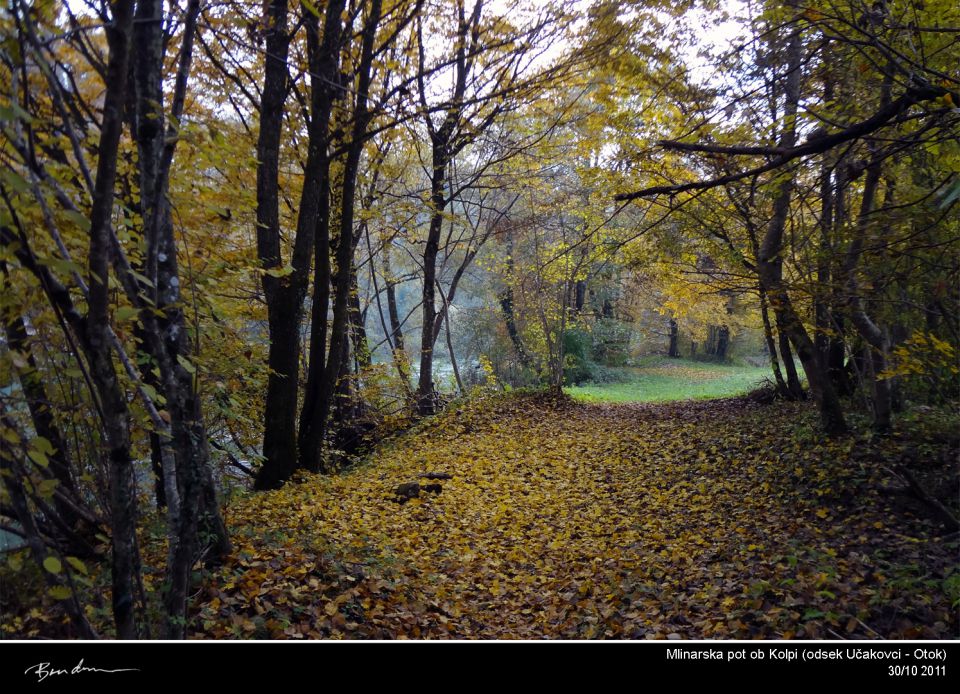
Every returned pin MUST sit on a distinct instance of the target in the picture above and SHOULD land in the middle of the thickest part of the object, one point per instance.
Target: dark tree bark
(166, 328)
(39, 404)
(674, 350)
(821, 306)
(125, 568)
(445, 143)
(156, 466)
(286, 293)
(425, 395)
(782, 389)
(873, 334)
(723, 342)
(769, 261)
(396, 329)
(358, 330)
(794, 387)
(279, 405)
(580, 296)
(509, 318)
(321, 387)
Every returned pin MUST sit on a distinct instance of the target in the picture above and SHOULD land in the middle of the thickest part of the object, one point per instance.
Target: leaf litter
(555, 519)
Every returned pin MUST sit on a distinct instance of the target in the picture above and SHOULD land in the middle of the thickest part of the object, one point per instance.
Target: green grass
(661, 379)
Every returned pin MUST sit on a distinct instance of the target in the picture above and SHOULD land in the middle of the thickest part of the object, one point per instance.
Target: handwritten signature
(44, 670)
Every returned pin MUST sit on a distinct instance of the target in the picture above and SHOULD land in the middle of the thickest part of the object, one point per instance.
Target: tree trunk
(425, 396)
(674, 350)
(794, 387)
(875, 336)
(723, 342)
(278, 439)
(125, 567)
(821, 307)
(358, 330)
(782, 389)
(45, 426)
(396, 329)
(769, 260)
(580, 295)
(168, 337)
(837, 371)
(313, 422)
(14, 488)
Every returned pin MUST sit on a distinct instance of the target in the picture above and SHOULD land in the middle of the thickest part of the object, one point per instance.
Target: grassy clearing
(660, 379)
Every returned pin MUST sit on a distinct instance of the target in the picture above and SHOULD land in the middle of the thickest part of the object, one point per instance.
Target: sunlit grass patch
(665, 380)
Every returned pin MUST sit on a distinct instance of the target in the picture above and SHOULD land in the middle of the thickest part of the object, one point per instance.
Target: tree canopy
(243, 244)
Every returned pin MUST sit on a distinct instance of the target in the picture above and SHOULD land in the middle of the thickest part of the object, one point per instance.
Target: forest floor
(715, 519)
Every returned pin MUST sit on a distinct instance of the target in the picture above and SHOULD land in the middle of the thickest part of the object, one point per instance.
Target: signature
(44, 670)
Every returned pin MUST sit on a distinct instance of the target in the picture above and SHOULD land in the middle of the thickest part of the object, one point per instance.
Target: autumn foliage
(291, 294)
(563, 520)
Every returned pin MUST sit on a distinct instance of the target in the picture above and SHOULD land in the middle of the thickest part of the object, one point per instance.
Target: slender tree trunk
(821, 307)
(875, 336)
(506, 299)
(580, 296)
(794, 387)
(443, 149)
(781, 386)
(156, 466)
(286, 288)
(674, 349)
(313, 424)
(723, 342)
(39, 405)
(358, 330)
(425, 395)
(396, 329)
(125, 568)
(167, 332)
(769, 261)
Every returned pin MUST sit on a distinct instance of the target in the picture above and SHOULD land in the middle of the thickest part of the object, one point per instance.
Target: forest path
(699, 519)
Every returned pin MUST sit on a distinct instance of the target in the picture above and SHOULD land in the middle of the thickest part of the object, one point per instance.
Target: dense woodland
(276, 274)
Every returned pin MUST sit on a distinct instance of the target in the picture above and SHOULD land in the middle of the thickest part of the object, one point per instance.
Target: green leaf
(12, 179)
(279, 272)
(13, 111)
(185, 363)
(59, 593)
(142, 278)
(126, 313)
(61, 265)
(46, 488)
(38, 457)
(82, 222)
(77, 565)
(43, 445)
(53, 565)
(15, 561)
